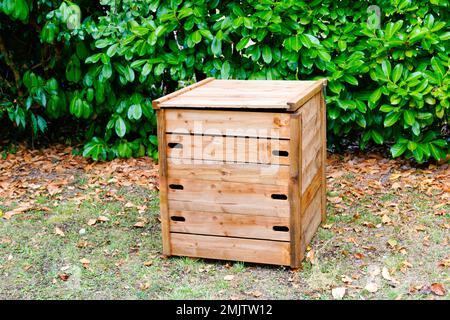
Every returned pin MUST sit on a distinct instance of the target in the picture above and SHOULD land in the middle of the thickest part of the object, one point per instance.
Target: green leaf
(408, 116)
(226, 68)
(120, 127)
(391, 119)
(377, 137)
(197, 36)
(387, 108)
(267, 54)
(386, 68)
(241, 44)
(398, 149)
(216, 47)
(437, 66)
(134, 112)
(326, 57)
(397, 72)
(350, 79)
(375, 96)
(437, 152)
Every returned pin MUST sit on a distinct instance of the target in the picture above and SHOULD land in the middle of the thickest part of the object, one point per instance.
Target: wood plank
(225, 248)
(230, 123)
(241, 94)
(309, 193)
(294, 189)
(230, 172)
(228, 149)
(156, 104)
(323, 114)
(310, 170)
(230, 225)
(307, 94)
(216, 196)
(164, 210)
(311, 220)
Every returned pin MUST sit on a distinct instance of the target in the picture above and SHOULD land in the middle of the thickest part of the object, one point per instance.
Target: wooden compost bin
(242, 169)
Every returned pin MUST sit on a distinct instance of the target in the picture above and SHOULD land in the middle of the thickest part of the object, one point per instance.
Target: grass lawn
(71, 229)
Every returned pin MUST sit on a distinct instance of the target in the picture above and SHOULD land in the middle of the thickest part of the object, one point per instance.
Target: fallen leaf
(144, 285)
(396, 186)
(102, 219)
(372, 287)
(91, 222)
(64, 276)
(228, 277)
(53, 189)
(359, 255)
(129, 205)
(59, 232)
(338, 293)
(139, 224)
(20, 209)
(346, 279)
(257, 294)
(310, 256)
(444, 263)
(85, 262)
(438, 289)
(334, 200)
(327, 226)
(148, 263)
(385, 219)
(392, 243)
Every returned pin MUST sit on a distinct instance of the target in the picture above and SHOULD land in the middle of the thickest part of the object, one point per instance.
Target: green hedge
(388, 73)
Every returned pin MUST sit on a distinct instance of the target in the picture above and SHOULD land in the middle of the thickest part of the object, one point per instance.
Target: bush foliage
(387, 63)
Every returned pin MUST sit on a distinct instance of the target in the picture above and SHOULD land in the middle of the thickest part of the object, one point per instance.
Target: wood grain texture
(227, 248)
(230, 172)
(323, 114)
(295, 179)
(242, 94)
(230, 123)
(305, 95)
(227, 197)
(156, 104)
(164, 209)
(228, 149)
(310, 220)
(230, 225)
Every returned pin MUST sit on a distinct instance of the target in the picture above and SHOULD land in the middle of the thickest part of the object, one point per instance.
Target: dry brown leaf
(144, 285)
(53, 189)
(91, 222)
(438, 289)
(257, 294)
(85, 262)
(228, 277)
(346, 279)
(20, 209)
(385, 219)
(139, 224)
(148, 263)
(102, 219)
(386, 275)
(64, 276)
(59, 232)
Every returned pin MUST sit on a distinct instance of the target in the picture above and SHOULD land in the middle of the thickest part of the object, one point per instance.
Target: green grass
(33, 259)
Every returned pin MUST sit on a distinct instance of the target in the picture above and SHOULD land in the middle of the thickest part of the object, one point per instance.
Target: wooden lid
(283, 95)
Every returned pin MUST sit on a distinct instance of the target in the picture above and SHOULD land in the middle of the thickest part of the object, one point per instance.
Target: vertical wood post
(295, 182)
(165, 224)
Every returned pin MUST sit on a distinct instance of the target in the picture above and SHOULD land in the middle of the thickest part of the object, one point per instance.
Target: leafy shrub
(388, 74)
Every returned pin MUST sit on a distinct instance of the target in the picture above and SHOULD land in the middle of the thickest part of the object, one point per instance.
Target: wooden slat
(310, 169)
(323, 122)
(165, 228)
(157, 103)
(309, 193)
(242, 94)
(228, 149)
(230, 225)
(228, 197)
(230, 123)
(307, 94)
(294, 189)
(230, 172)
(311, 220)
(224, 248)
